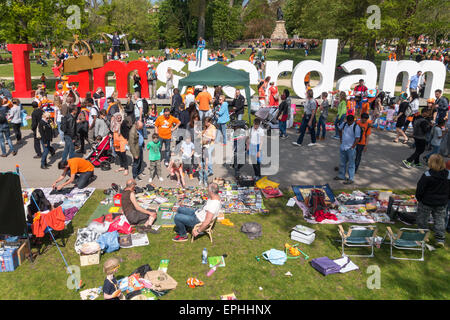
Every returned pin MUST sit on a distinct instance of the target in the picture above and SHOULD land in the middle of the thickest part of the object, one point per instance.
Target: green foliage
(226, 26)
(38, 20)
(259, 18)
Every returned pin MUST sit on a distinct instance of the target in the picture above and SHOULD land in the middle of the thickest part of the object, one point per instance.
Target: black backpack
(63, 125)
(3, 117)
(145, 107)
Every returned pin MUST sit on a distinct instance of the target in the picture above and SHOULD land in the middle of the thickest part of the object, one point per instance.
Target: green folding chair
(358, 236)
(408, 239)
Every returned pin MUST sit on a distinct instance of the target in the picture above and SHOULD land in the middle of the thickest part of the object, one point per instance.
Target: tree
(226, 26)
(37, 20)
(178, 14)
(259, 18)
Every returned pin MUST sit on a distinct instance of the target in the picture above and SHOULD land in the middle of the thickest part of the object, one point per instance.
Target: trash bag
(109, 241)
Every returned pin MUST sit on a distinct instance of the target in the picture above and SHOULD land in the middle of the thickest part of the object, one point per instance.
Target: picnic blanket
(71, 202)
(359, 207)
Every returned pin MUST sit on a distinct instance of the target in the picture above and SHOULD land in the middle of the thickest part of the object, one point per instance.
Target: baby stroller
(101, 153)
(268, 118)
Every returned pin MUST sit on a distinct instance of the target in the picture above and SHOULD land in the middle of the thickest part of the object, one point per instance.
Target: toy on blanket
(294, 251)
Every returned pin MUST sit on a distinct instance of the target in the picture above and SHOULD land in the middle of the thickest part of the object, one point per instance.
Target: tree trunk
(125, 42)
(371, 49)
(342, 45)
(201, 19)
(231, 3)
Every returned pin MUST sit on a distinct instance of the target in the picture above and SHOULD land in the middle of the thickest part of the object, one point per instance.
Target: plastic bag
(109, 241)
(275, 256)
(120, 224)
(264, 183)
(99, 227)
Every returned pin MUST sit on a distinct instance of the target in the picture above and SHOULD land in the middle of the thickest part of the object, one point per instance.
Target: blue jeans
(202, 114)
(303, 127)
(185, 217)
(6, 135)
(210, 162)
(61, 134)
(198, 56)
(347, 159)
(137, 164)
(282, 126)
(203, 174)
(337, 123)
(321, 125)
(223, 132)
(434, 149)
(166, 144)
(69, 148)
(46, 148)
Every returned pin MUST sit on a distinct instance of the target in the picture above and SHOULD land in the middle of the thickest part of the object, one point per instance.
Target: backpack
(408, 111)
(144, 107)
(3, 118)
(63, 125)
(354, 129)
(316, 201)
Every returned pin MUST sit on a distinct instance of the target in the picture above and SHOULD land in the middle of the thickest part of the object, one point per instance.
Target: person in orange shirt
(204, 99)
(164, 126)
(75, 166)
(307, 79)
(365, 106)
(365, 124)
(351, 106)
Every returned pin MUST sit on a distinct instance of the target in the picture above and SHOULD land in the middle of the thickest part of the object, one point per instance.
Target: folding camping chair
(358, 236)
(408, 239)
(208, 230)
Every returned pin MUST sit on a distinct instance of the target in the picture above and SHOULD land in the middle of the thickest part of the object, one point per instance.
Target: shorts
(135, 217)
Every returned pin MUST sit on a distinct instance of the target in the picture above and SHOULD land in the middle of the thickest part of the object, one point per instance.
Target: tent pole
(249, 104)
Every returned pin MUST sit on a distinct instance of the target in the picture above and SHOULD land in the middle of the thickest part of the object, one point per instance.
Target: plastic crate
(9, 260)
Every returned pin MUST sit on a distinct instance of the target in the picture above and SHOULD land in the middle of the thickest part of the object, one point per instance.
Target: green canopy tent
(219, 75)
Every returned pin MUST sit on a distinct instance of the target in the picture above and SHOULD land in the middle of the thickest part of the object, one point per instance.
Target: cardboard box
(90, 259)
(23, 252)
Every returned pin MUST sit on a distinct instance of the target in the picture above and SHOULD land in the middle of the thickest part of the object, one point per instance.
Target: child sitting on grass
(111, 289)
(176, 170)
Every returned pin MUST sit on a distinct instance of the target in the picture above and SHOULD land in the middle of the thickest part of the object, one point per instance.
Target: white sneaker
(161, 179)
(296, 144)
(150, 180)
(61, 143)
(311, 145)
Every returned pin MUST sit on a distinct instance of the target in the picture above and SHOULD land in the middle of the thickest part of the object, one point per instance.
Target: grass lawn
(243, 275)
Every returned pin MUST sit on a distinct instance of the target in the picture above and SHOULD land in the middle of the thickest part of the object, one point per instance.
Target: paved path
(380, 168)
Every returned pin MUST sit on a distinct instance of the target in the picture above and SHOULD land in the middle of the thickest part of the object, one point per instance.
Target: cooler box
(117, 200)
(9, 260)
(303, 234)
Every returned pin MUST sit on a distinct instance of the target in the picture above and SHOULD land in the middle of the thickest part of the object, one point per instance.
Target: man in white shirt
(189, 217)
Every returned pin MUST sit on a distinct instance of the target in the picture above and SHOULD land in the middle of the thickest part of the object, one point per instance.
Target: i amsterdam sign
(90, 79)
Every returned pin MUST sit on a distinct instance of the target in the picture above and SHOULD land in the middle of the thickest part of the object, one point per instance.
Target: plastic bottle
(205, 256)
(211, 271)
